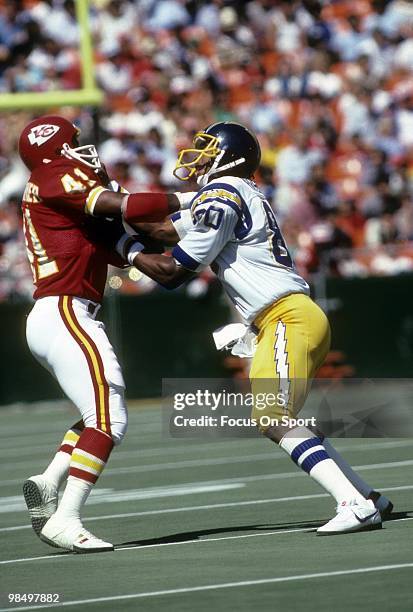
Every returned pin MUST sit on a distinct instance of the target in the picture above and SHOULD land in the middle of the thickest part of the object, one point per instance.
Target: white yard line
(206, 507)
(226, 443)
(223, 585)
(121, 548)
(216, 461)
(183, 543)
(16, 503)
(252, 502)
(188, 509)
(138, 453)
(225, 460)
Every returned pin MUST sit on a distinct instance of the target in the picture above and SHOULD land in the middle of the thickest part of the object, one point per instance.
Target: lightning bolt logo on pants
(281, 361)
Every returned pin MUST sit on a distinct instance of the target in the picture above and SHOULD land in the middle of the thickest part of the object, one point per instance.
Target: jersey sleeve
(213, 225)
(69, 186)
(182, 222)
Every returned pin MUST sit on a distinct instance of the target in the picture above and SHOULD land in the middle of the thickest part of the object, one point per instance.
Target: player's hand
(129, 246)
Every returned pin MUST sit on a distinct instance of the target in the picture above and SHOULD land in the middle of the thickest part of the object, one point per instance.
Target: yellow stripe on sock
(71, 436)
(94, 465)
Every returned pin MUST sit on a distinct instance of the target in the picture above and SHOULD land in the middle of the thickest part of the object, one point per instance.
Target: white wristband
(136, 248)
(128, 248)
(185, 199)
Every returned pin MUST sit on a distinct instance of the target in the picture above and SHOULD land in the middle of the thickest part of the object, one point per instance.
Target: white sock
(362, 487)
(58, 469)
(73, 499)
(308, 452)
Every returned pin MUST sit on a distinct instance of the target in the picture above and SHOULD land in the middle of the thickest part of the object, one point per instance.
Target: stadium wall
(158, 334)
(169, 335)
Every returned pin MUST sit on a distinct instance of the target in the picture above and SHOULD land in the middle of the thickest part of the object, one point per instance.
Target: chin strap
(86, 154)
(205, 178)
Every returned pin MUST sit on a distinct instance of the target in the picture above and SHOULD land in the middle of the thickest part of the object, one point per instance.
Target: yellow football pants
(292, 343)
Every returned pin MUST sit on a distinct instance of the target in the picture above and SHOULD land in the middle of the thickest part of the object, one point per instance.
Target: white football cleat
(353, 516)
(41, 500)
(72, 536)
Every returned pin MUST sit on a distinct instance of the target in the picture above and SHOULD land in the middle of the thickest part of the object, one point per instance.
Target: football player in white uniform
(230, 226)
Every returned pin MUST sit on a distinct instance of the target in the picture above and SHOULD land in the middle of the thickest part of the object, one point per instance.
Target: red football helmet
(51, 136)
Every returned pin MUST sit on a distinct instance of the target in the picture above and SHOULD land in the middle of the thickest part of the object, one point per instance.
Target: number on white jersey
(211, 216)
(279, 248)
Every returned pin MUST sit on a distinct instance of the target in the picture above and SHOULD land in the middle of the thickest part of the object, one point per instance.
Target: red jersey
(63, 246)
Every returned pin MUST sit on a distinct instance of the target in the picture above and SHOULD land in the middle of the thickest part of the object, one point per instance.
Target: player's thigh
(291, 347)
(79, 354)
(278, 372)
(55, 348)
(319, 338)
(112, 378)
(90, 374)
(42, 327)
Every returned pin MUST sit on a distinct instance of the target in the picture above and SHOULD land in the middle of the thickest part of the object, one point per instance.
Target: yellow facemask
(205, 150)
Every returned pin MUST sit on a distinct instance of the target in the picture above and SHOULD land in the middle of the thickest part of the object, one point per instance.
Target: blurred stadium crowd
(327, 87)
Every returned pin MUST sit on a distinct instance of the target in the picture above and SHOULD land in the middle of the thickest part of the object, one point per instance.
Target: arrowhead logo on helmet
(49, 137)
(42, 133)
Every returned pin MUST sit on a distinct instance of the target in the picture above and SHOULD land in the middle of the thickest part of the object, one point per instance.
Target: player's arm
(163, 269)
(170, 231)
(75, 187)
(213, 226)
(134, 207)
(138, 207)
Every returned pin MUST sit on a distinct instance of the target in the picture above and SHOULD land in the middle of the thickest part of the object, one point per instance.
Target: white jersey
(232, 227)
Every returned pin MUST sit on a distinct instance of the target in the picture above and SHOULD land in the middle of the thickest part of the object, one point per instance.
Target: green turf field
(221, 525)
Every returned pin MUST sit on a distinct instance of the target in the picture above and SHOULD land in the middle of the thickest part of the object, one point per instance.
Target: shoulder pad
(220, 190)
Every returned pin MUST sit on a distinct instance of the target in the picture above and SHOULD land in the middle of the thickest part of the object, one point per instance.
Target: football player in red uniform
(65, 204)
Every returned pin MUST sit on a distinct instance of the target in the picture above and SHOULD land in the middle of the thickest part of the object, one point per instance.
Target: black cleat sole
(51, 543)
(33, 499)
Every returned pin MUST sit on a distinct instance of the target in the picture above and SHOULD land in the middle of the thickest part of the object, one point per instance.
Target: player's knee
(118, 415)
(118, 430)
